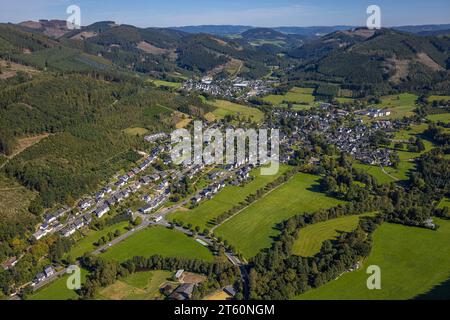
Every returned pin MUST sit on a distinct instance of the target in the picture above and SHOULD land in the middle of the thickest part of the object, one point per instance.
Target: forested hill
(377, 60)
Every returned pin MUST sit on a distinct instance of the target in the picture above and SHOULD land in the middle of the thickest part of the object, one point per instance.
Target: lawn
(311, 238)
(302, 96)
(226, 199)
(86, 244)
(158, 241)
(225, 108)
(253, 229)
(135, 131)
(57, 290)
(413, 262)
(138, 286)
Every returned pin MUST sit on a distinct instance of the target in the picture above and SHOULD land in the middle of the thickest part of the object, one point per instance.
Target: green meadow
(303, 97)
(226, 199)
(311, 238)
(402, 105)
(224, 108)
(253, 229)
(414, 263)
(57, 290)
(137, 286)
(443, 117)
(86, 244)
(158, 241)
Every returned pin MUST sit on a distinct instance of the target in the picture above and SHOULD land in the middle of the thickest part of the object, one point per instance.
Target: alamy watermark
(374, 20)
(74, 280)
(74, 20)
(210, 146)
(374, 280)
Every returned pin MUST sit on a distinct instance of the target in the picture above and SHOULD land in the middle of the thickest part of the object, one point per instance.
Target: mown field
(57, 290)
(161, 241)
(226, 199)
(225, 108)
(253, 229)
(414, 263)
(86, 244)
(300, 97)
(311, 238)
(138, 286)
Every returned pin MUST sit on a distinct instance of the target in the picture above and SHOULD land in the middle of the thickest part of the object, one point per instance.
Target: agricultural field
(162, 83)
(415, 263)
(402, 105)
(376, 172)
(138, 286)
(443, 117)
(253, 229)
(226, 199)
(135, 131)
(57, 290)
(438, 98)
(311, 238)
(301, 96)
(86, 244)
(161, 241)
(225, 108)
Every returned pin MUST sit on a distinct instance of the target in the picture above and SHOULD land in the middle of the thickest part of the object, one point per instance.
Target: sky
(259, 13)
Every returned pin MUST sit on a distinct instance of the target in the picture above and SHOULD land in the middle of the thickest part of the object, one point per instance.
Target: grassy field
(413, 262)
(311, 238)
(253, 229)
(158, 240)
(135, 131)
(444, 117)
(297, 95)
(224, 201)
(86, 244)
(162, 83)
(401, 105)
(57, 290)
(138, 286)
(376, 172)
(438, 98)
(225, 108)
(444, 203)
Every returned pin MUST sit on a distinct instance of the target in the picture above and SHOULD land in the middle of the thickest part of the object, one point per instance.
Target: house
(183, 292)
(147, 209)
(68, 231)
(100, 212)
(147, 198)
(108, 189)
(49, 271)
(179, 274)
(145, 180)
(40, 234)
(230, 290)
(8, 264)
(79, 224)
(85, 204)
(154, 137)
(39, 277)
(197, 199)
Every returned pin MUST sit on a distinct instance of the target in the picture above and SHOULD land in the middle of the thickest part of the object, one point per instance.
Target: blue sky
(268, 13)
